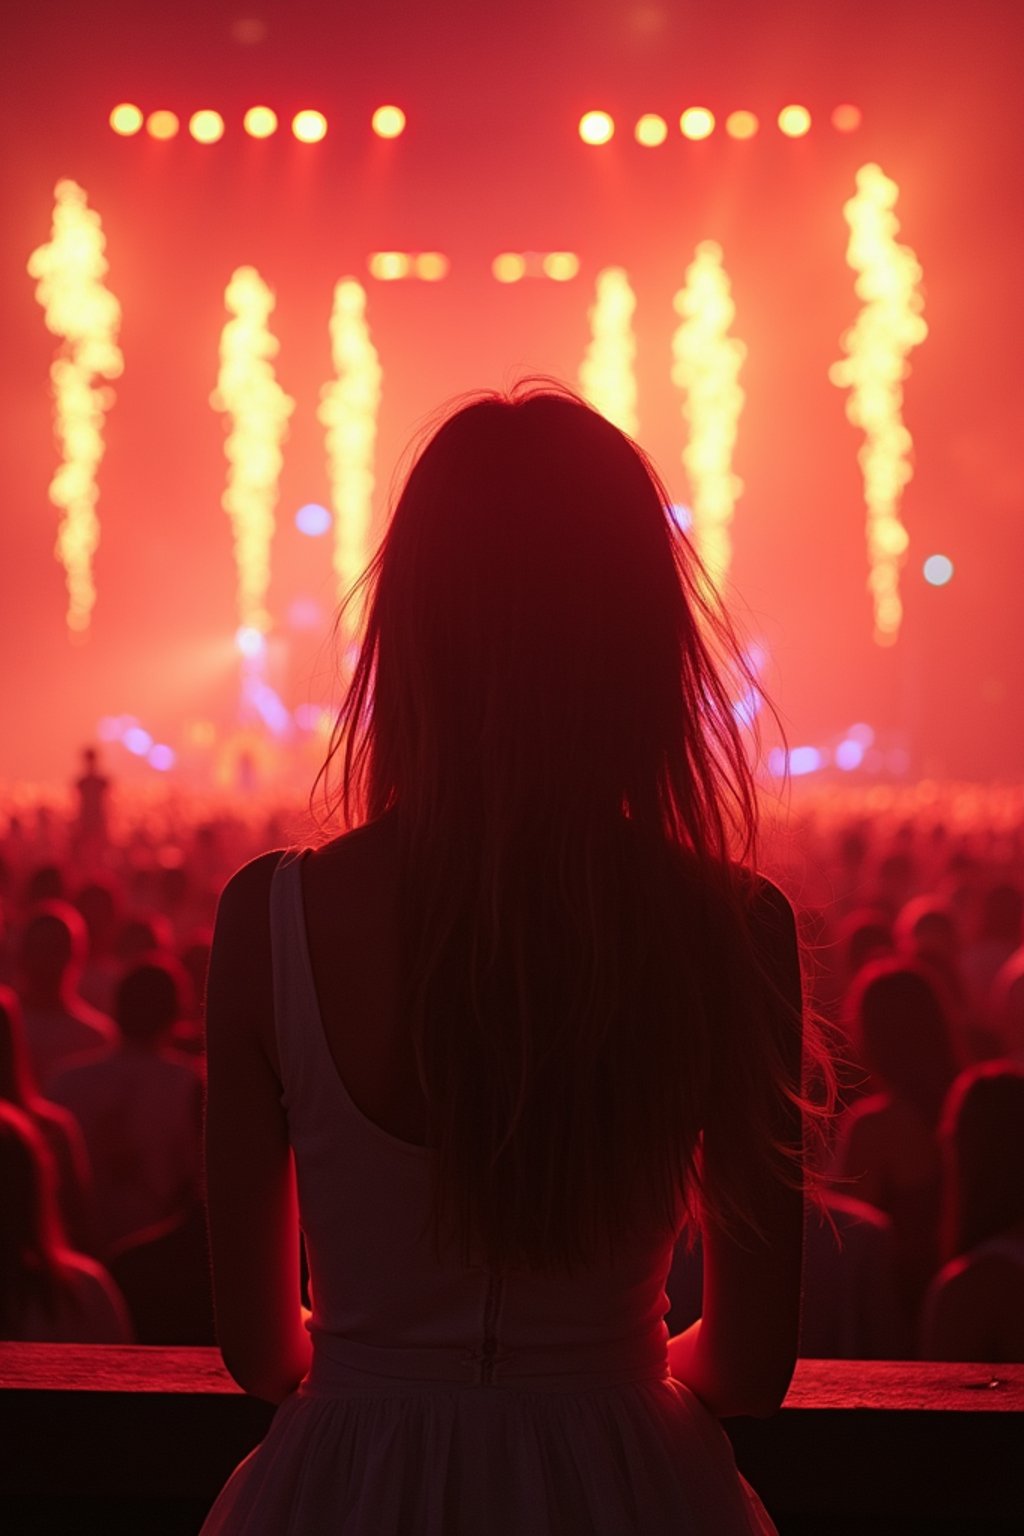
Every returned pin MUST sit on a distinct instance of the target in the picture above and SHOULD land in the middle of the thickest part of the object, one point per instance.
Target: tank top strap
(300, 1044)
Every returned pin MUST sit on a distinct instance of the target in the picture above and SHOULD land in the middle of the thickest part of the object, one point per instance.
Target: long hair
(541, 702)
(982, 1135)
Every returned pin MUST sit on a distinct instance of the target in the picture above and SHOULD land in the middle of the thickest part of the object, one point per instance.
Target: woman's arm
(740, 1354)
(250, 1178)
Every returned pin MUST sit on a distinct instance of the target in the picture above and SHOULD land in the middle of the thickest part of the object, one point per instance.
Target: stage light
(651, 130)
(250, 642)
(162, 757)
(309, 127)
(137, 741)
(348, 410)
(697, 123)
(431, 266)
(388, 266)
(596, 127)
(162, 124)
(889, 325)
(681, 515)
(206, 127)
(388, 122)
(794, 122)
(846, 118)
(509, 267)
(312, 520)
(126, 119)
(849, 755)
(258, 410)
(607, 373)
(706, 366)
(805, 760)
(82, 311)
(260, 122)
(741, 125)
(938, 570)
(862, 734)
(561, 266)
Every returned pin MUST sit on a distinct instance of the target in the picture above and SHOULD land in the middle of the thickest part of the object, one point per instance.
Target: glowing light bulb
(607, 373)
(938, 570)
(697, 123)
(509, 267)
(309, 127)
(388, 122)
(651, 130)
(260, 122)
(206, 126)
(741, 125)
(162, 124)
(596, 127)
(126, 119)
(794, 122)
(846, 118)
(431, 266)
(388, 266)
(561, 266)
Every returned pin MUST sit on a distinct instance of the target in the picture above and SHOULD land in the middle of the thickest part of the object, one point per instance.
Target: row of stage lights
(650, 130)
(207, 126)
(388, 122)
(507, 267)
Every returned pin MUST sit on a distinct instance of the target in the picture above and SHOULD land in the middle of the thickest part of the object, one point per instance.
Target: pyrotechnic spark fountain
(890, 324)
(81, 310)
(348, 410)
(706, 366)
(258, 409)
(607, 376)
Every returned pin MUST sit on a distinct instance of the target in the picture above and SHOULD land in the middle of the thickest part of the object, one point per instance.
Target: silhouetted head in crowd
(98, 903)
(904, 1035)
(139, 936)
(52, 951)
(925, 927)
(983, 1141)
(148, 1001)
(31, 1238)
(16, 1085)
(44, 884)
(1002, 908)
(864, 934)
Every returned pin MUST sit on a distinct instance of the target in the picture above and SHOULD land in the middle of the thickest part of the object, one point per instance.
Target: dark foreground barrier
(136, 1442)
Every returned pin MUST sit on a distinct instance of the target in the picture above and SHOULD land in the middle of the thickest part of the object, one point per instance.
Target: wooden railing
(122, 1440)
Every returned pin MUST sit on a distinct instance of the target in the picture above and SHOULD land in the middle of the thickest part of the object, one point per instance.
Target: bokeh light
(162, 124)
(206, 126)
(849, 754)
(250, 641)
(938, 570)
(561, 266)
(608, 371)
(651, 130)
(162, 757)
(260, 122)
(431, 266)
(596, 127)
(846, 118)
(126, 119)
(137, 740)
(309, 127)
(805, 760)
(794, 121)
(388, 266)
(509, 267)
(697, 123)
(312, 519)
(741, 124)
(388, 122)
